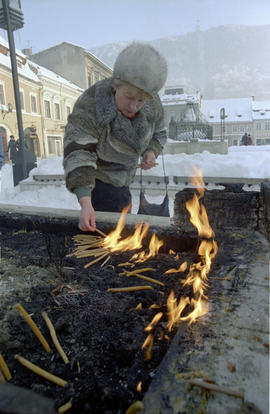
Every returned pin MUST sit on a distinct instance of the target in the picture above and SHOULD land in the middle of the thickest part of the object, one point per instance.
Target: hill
(230, 61)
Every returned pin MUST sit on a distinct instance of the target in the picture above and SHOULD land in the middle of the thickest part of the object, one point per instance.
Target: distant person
(12, 148)
(249, 140)
(172, 129)
(1, 155)
(244, 139)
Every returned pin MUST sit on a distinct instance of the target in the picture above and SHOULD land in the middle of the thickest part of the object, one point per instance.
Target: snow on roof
(179, 99)
(261, 110)
(236, 109)
(23, 68)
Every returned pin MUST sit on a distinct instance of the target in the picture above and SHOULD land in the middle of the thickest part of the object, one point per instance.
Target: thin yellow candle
(4, 368)
(2, 378)
(129, 289)
(34, 327)
(65, 407)
(41, 372)
(54, 338)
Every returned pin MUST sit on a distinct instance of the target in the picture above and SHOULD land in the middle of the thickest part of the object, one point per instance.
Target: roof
(236, 109)
(23, 69)
(179, 99)
(261, 110)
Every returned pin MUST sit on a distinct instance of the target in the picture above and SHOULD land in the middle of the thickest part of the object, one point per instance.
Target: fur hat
(142, 66)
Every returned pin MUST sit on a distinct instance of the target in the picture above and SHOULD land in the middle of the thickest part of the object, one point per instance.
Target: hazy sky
(91, 23)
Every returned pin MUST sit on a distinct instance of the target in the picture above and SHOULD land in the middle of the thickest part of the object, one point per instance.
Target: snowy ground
(241, 162)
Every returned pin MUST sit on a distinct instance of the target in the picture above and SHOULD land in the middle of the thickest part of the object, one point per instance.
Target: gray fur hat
(142, 66)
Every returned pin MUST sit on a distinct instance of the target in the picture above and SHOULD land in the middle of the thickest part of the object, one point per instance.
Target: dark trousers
(107, 197)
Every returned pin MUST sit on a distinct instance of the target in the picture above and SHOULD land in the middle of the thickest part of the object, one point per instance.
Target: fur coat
(101, 143)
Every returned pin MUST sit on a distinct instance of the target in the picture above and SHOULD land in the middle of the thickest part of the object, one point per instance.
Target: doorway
(3, 134)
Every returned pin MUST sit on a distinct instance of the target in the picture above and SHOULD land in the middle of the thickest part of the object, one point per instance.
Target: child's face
(128, 101)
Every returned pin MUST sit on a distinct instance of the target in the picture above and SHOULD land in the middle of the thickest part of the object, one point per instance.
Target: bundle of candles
(90, 246)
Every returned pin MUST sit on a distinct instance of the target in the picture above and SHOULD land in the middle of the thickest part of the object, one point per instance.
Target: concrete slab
(101, 216)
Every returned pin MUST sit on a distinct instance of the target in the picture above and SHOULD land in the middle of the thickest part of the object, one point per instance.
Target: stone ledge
(18, 400)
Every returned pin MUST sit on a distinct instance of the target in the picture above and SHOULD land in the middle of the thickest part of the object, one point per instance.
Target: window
(258, 126)
(22, 100)
(68, 110)
(54, 145)
(33, 101)
(2, 95)
(47, 107)
(234, 128)
(51, 145)
(267, 126)
(56, 110)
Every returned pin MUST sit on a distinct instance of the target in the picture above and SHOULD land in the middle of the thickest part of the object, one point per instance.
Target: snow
(180, 99)
(240, 162)
(236, 109)
(23, 69)
(261, 110)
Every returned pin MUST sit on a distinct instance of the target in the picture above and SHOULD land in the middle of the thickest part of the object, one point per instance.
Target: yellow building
(29, 85)
(46, 101)
(57, 97)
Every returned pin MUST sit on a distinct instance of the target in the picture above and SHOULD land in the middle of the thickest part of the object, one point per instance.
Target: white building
(179, 105)
(241, 115)
(261, 121)
(238, 117)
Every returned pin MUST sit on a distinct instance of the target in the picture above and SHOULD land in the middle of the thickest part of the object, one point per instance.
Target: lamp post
(11, 18)
(222, 123)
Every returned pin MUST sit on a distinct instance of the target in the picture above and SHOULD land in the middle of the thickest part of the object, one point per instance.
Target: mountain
(230, 61)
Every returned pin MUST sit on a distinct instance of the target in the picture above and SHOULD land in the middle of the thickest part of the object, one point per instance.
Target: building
(30, 86)
(183, 118)
(179, 105)
(261, 122)
(57, 96)
(242, 115)
(46, 101)
(74, 63)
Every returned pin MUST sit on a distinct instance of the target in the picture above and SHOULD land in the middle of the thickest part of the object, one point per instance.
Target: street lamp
(222, 123)
(5, 111)
(11, 18)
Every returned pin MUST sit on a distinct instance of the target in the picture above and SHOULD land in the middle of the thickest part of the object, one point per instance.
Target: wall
(65, 59)
(214, 147)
